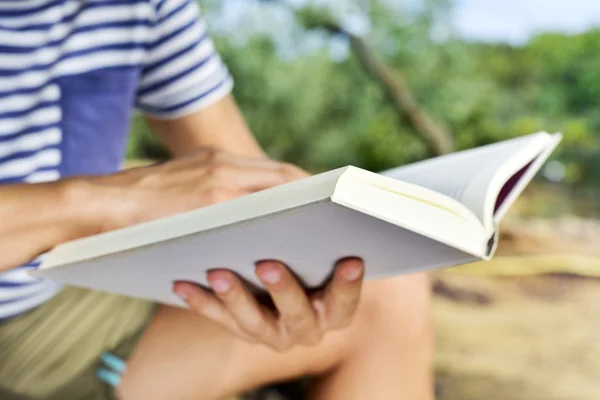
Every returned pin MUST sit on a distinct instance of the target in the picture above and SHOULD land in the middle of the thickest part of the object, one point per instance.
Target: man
(70, 72)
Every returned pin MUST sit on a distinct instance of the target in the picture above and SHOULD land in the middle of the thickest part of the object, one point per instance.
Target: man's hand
(83, 206)
(209, 177)
(298, 319)
(205, 177)
(35, 218)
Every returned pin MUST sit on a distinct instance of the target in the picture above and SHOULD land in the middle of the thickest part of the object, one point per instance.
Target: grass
(525, 325)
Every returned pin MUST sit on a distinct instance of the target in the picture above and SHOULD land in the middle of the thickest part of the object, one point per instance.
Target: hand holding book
(434, 214)
(87, 205)
(296, 318)
(200, 179)
(143, 194)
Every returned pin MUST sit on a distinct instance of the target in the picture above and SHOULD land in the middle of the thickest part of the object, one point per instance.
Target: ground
(522, 338)
(525, 326)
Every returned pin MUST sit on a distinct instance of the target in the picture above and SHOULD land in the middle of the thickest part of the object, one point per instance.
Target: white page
(521, 162)
(412, 207)
(532, 169)
(465, 175)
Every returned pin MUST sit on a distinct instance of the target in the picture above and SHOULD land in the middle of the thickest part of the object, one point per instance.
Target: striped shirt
(72, 72)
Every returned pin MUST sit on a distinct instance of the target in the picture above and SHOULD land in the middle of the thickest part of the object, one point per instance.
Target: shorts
(53, 351)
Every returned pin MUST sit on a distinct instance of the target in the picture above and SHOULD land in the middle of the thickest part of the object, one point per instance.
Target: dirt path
(525, 338)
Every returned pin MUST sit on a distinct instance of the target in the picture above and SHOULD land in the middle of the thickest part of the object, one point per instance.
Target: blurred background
(380, 83)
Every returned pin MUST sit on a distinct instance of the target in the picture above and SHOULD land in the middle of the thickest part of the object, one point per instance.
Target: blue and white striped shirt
(71, 72)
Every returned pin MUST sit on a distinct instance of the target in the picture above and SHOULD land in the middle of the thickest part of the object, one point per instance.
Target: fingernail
(270, 275)
(352, 274)
(182, 292)
(219, 285)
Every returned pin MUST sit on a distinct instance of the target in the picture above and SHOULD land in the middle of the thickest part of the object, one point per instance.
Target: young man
(70, 73)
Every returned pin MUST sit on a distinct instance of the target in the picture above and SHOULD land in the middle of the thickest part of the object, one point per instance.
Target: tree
(391, 80)
(308, 105)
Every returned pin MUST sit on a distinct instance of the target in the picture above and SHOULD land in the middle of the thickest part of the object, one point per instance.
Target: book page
(509, 189)
(466, 175)
(420, 210)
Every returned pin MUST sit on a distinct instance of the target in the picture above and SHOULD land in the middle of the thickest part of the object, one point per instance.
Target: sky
(515, 21)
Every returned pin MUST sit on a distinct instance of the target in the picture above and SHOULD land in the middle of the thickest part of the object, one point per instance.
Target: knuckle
(252, 332)
(211, 194)
(209, 154)
(297, 322)
(340, 321)
(211, 170)
(152, 177)
(198, 304)
(212, 161)
(346, 301)
(247, 338)
(216, 195)
(287, 169)
(282, 345)
(344, 322)
(217, 172)
(303, 327)
(294, 318)
(291, 172)
(350, 304)
(253, 327)
(313, 339)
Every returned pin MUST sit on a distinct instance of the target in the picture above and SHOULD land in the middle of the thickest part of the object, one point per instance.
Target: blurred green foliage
(322, 112)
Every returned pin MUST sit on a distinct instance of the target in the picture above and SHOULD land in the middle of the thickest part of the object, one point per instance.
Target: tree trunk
(438, 140)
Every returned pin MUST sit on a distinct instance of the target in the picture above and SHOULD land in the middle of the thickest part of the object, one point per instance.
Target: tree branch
(437, 138)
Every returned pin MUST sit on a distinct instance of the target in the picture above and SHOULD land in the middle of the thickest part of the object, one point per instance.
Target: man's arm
(220, 125)
(35, 218)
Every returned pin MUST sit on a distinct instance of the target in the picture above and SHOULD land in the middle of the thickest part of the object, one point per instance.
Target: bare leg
(385, 354)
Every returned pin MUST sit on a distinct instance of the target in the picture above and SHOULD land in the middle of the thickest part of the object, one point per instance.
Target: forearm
(35, 218)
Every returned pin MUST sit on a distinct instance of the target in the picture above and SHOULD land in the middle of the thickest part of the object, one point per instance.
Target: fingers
(247, 173)
(250, 179)
(190, 182)
(217, 156)
(207, 305)
(342, 296)
(301, 320)
(296, 314)
(251, 317)
(258, 175)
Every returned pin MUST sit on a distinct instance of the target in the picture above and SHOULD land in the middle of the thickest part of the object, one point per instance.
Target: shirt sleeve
(183, 72)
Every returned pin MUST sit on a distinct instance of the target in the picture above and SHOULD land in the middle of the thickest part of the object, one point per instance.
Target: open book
(432, 214)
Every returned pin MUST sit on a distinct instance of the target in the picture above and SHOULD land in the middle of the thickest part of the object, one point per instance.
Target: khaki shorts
(52, 352)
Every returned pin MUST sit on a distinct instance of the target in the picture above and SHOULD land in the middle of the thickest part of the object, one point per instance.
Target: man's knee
(394, 314)
(402, 302)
